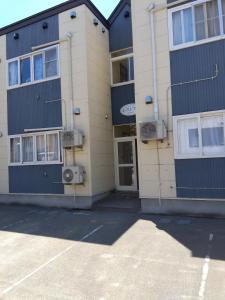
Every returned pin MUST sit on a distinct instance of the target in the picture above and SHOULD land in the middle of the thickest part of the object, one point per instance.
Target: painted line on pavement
(54, 258)
(205, 271)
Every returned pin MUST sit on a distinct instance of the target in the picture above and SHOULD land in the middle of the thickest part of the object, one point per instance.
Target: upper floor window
(38, 148)
(122, 67)
(196, 22)
(38, 66)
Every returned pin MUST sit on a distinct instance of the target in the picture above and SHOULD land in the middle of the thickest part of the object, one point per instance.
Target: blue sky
(15, 10)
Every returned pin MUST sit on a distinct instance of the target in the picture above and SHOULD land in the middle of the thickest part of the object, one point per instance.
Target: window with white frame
(199, 135)
(122, 62)
(35, 148)
(38, 66)
(196, 22)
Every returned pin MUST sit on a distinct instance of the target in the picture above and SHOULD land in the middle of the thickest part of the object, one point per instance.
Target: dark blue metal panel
(44, 179)
(196, 63)
(32, 35)
(28, 107)
(120, 33)
(121, 96)
(201, 178)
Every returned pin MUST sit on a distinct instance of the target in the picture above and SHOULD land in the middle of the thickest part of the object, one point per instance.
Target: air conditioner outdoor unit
(72, 139)
(73, 175)
(153, 130)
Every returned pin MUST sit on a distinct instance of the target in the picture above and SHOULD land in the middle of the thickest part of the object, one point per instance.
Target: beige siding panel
(77, 27)
(91, 89)
(99, 94)
(156, 159)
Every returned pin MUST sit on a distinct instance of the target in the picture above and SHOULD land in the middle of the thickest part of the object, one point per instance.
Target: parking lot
(61, 254)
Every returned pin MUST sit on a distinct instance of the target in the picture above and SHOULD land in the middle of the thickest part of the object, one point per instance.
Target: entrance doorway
(126, 164)
(125, 148)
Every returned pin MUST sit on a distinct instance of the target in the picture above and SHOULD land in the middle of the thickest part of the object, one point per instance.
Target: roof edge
(117, 10)
(54, 11)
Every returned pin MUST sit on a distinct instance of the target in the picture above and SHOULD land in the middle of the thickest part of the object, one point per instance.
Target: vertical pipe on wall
(72, 126)
(150, 9)
(69, 36)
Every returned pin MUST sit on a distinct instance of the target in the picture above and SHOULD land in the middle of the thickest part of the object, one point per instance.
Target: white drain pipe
(150, 9)
(69, 37)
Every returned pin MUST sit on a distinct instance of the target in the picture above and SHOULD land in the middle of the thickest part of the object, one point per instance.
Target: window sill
(35, 164)
(32, 83)
(123, 83)
(194, 44)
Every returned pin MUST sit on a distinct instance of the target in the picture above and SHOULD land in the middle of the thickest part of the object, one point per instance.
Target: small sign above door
(128, 110)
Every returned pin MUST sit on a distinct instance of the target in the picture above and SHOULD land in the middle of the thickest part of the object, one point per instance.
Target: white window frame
(31, 55)
(35, 161)
(198, 116)
(118, 58)
(194, 42)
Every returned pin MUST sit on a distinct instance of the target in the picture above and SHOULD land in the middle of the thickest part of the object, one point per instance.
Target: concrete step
(122, 201)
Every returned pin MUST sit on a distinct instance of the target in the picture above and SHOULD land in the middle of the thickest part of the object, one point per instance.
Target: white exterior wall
(80, 90)
(156, 166)
(4, 181)
(91, 89)
(99, 95)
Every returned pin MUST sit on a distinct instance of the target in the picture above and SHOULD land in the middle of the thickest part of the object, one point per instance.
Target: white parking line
(205, 271)
(54, 258)
(82, 213)
(20, 221)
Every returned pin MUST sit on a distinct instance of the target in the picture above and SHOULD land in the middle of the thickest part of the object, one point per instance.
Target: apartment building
(133, 103)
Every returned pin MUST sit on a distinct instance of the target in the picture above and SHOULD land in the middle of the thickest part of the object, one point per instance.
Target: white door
(126, 167)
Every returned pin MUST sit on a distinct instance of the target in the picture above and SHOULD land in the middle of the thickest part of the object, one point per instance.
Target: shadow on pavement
(192, 233)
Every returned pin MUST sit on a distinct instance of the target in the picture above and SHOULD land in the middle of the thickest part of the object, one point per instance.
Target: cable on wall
(182, 83)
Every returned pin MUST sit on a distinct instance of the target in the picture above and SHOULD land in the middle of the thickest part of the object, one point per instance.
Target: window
(13, 73)
(125, 130)
(199, 135)
(25, 74)
(15, 150)
(122, 67)
(187, 136)
(51, 63)
(195, 22)
(35, 148)
(41, 65)
(27, 147)
(223, 14)
(212, 134)
(38, 67)
(40, 148)
(52, 147)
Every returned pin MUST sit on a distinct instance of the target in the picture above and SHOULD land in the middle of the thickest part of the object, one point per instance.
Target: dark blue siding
(196, 63)
(36, 179)
(121, 96)
(32, 35)
(27, 107)
(201, 178)
(120, 33)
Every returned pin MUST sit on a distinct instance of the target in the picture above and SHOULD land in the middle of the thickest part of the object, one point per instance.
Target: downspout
(69, 36)
(150, 9)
